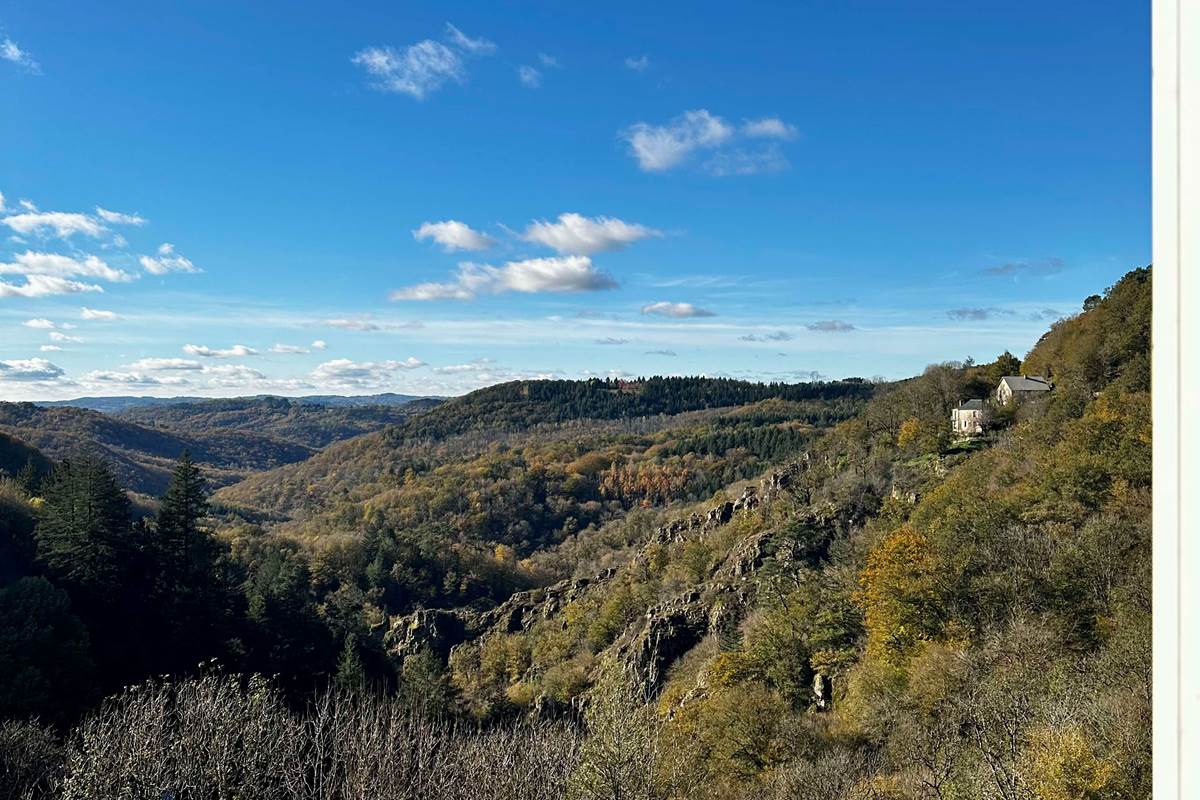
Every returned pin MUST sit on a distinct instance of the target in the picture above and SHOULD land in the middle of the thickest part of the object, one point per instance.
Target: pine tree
(191, 598)
(84, 536)
(30, 477)
(350, 677)
(186, 551)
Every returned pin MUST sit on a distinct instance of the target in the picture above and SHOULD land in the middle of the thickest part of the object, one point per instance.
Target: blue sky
(431, 197)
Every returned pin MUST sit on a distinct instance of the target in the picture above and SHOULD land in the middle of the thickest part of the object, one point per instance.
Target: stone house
(1019, 387)
(967, 418)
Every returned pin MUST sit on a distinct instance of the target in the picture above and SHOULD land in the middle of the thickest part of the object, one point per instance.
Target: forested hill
(557, 418)
(302, 422)
(521, 404)
(142, 456)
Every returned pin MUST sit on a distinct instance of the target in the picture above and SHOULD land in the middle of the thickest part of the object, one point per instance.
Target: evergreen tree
(30, 477)
(186, 551)
(84, 537)
(350, 676)
(191, 596)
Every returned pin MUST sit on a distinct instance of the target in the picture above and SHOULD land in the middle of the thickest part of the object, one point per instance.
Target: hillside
(118, 403)
(893, 614)
(142, 456)
(302, 422)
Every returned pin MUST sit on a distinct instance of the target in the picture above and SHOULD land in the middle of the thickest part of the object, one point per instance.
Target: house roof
(971, 405)
(1020, 383)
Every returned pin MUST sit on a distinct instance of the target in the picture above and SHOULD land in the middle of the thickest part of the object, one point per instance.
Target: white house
(1020, 387)
(967, 418)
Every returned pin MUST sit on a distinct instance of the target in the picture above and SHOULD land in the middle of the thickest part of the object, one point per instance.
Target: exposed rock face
(430, 630)
(668, 631)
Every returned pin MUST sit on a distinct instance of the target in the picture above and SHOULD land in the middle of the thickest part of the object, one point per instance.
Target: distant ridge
(116, 404)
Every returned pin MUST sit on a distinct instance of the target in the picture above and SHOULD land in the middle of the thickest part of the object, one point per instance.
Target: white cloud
(416, 70)
(471, 366)
(10, 51)
(166, 364)
(530, 77)
(531, 276)
(1, 201)
(29, 370)
(548, 61)
(50, 348)
(132, 378)
(638, 63)
(42, 324)
(237, 351)
(343, 372)
(768, 128)
(168, 261)
(117, 218)
(289, 349)
(659, 148)
(677, 310)
(44, 286)
(63, 224)
(319, 344)
(55, 336)
(453, 235)
(478, 46)
(60, 266)
(575, 234)
(831, 326)
(97, 314)
(232, 375)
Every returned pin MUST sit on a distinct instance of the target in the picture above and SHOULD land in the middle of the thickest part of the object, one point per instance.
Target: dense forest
(664, 588)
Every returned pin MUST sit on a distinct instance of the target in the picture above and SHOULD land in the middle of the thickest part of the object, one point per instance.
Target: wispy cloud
(288, 349)
(478, 46)
(12, 52)
(344, 373)
(118, 218)
(453, 236)
(667, 353)
(97, 314)
(637, 63)
(422, 68)
(831, 326)
(167, 261)
(366, 325)
(1014, 269)
(236, 351)
(530, 77)
(609, 340)
(777, 336)
(664, 308)
(531, 276)
(659, 148)
(575, 234)
(965, 314)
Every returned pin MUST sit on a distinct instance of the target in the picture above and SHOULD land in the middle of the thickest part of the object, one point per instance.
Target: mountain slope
(916, 612)
(302, 422)
(142, 457)
(520, 413)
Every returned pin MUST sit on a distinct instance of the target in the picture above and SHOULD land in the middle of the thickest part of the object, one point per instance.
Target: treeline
(522, 404)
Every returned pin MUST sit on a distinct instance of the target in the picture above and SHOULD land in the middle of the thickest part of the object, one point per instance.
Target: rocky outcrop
(425, 630)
